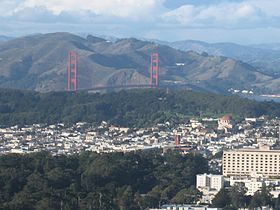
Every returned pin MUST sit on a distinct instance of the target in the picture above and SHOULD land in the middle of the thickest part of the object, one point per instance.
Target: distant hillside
(264, 57)
(267, 46)
(39, 62)
(5, 38)
(137, 108)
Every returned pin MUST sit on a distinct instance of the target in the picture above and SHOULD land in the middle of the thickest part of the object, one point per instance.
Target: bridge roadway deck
(119, 87)
(111, 87)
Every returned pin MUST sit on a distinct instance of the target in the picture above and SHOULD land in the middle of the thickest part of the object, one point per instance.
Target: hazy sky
(241, 21)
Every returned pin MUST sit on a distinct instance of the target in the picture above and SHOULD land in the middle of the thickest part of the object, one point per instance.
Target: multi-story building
(209, 185)
(209, 181)
(247, 162)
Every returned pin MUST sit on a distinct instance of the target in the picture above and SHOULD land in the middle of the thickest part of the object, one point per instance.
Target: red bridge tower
(154, 69)
(72, 71)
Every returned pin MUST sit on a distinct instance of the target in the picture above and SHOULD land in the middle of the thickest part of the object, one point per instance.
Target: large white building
(248, 162)
(209, 181)
(209, 185)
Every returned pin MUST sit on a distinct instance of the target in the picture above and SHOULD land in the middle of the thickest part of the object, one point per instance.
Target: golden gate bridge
(72, 75)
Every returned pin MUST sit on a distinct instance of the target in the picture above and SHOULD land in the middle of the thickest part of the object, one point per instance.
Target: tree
(237, 195)
(277, 202)
(261, 197)
(188, 195)
(222, 199)
(126, 200)
(46, 203)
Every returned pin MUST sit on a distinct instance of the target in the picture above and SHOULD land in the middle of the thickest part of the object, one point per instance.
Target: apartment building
(209, 181)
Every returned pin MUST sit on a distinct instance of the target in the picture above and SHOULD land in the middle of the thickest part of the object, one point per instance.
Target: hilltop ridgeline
(39, 62)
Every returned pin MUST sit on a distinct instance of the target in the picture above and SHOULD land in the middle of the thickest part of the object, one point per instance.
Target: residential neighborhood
(207, 136)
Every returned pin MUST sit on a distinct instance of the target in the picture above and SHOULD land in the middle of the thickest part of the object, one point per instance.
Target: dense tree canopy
(125, 108)
(97, 181)
(235, 197)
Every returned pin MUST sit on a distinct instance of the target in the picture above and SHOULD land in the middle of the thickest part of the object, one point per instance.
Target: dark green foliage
(235, 198)
(277, 202)
(237, 195)
(261, 198)
(188, 195)
(222, 199)
(131, 181)
(126, 108)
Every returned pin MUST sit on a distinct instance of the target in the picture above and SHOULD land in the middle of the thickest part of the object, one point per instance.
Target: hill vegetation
(114, 181)
(134, 108)
(92, 181)
(39, 62)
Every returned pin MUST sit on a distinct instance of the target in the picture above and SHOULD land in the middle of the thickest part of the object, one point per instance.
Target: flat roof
(254, 150)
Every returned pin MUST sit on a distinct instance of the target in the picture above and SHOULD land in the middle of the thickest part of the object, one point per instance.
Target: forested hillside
(91, 181)
(135, 108)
